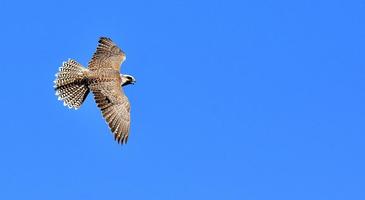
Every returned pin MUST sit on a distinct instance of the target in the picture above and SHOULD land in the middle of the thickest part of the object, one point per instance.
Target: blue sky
(234, 100)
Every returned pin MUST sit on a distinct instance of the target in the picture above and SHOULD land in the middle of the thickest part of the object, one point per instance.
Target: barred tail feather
(71, 84)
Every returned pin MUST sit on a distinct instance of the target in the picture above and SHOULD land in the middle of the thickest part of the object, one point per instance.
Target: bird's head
(127, 79)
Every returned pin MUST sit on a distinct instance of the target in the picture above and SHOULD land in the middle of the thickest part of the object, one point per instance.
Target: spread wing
(107, 55)
(115, 108)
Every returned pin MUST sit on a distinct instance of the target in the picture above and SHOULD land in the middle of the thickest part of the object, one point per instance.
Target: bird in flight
(103, 78)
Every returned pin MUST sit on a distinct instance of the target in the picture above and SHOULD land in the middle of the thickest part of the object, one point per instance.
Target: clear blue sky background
(235, 100)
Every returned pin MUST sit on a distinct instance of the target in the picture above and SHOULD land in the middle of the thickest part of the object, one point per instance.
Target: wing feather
(115, 108)
(107, 55)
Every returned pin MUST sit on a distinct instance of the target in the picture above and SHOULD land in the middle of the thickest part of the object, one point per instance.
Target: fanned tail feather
(71, 84)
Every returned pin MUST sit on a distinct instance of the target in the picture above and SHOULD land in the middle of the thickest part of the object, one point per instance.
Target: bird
(102, 77)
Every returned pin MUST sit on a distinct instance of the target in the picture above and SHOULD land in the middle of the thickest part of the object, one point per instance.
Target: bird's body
(74, 82)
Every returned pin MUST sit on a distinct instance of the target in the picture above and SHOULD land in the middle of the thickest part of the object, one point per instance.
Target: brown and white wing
(115, 108)
(107, 55)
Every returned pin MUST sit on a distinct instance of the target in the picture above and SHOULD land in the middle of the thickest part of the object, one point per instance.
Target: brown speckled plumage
(74, 82)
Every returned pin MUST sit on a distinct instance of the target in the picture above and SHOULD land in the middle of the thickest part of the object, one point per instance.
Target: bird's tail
(71, 84)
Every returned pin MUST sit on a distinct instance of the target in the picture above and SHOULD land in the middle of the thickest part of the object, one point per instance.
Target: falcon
(103, 78)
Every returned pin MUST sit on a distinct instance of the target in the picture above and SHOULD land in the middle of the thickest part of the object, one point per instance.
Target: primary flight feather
(103, 78)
